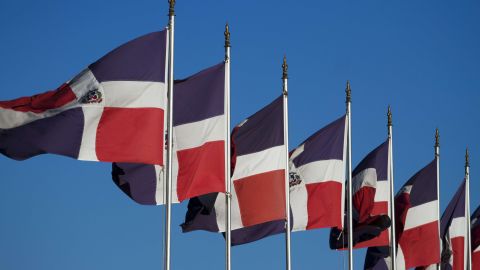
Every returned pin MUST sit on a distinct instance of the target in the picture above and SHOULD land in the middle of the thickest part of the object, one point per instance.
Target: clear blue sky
(422, 57)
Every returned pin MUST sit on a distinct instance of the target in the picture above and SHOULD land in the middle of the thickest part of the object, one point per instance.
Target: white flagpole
(287, 174)
(467, 211)
(348, 92)
(168, 197)
(228, 187)
(437, 159)
(393, 245)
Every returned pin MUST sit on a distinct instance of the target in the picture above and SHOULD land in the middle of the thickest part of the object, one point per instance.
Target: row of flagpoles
(202, 157)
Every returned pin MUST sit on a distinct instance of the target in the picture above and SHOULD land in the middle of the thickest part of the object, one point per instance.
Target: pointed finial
(437, 138)
(467, 159)
(389, 115)
(171, 10)
(348, 91)
(227, 36)
(285, 68)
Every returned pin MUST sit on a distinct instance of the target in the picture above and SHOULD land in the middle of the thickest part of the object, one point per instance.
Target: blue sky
(422, 57)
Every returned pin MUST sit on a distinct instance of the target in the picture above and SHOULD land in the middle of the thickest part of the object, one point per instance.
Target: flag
(317, 173)
(453, 229)
(310, 169)
(111, 111)
(417, 228)
(258, 176)
(371, 196)
(199, 135)
(475, 242)
(417, 224)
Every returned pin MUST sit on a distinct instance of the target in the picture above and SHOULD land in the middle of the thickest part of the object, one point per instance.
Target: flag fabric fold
(112, 111)
(417, 224)
(199, 136)
(371, 217)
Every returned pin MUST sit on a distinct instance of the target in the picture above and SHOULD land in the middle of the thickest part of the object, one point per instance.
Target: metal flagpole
(168, 214)
(287, 174)
(467, 210)
(348, 92)
(228, 187)
(393, 244)
(437, 159)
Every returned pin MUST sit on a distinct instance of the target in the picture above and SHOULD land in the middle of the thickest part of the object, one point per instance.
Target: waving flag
(317, 169)
(312, 173)
(475, 234)
(417, 228)
(258, 197)
(370, 202)
(453, 230)
(111, 111)
(199, 144)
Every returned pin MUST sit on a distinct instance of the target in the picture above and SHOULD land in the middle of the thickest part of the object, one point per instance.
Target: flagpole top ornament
(467, 159)
(437, 138)
(171, 10)
(389, 115)
(348, 92)
(227, 36)
(285, 68)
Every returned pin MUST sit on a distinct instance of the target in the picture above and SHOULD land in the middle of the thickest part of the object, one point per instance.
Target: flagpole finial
(348, 92)
(171, 10)
(437, 138)
(467, 159)
(227, 35)
(389, 115)
(285, 68)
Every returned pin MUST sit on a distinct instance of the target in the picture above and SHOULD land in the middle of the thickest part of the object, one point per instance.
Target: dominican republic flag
(453, 229)
(258, 166)
(111, 111)
(371, 196)
(199, 135)
(417, 224)
(417, 228)
(317, 176)
(306, 162)
(475, 234)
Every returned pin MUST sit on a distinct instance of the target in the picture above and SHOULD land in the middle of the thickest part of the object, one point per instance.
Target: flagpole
(467, 203)
(393, 242)
(348, 92)
(437, 159)
(287, 174)
(228, 187)
(168, 214)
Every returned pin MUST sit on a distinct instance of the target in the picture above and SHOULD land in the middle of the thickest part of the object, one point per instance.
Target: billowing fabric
(199, 136)
(111, 111)
(417, 224)
(371, 196)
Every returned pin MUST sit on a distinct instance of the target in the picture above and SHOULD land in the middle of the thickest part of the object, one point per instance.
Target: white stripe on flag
(134, 94)
(365, 178)
(260, 162)
(382, 191)
(457, 227)
(322, 171)
(196, 134)
(92, 117)
(421, 215)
